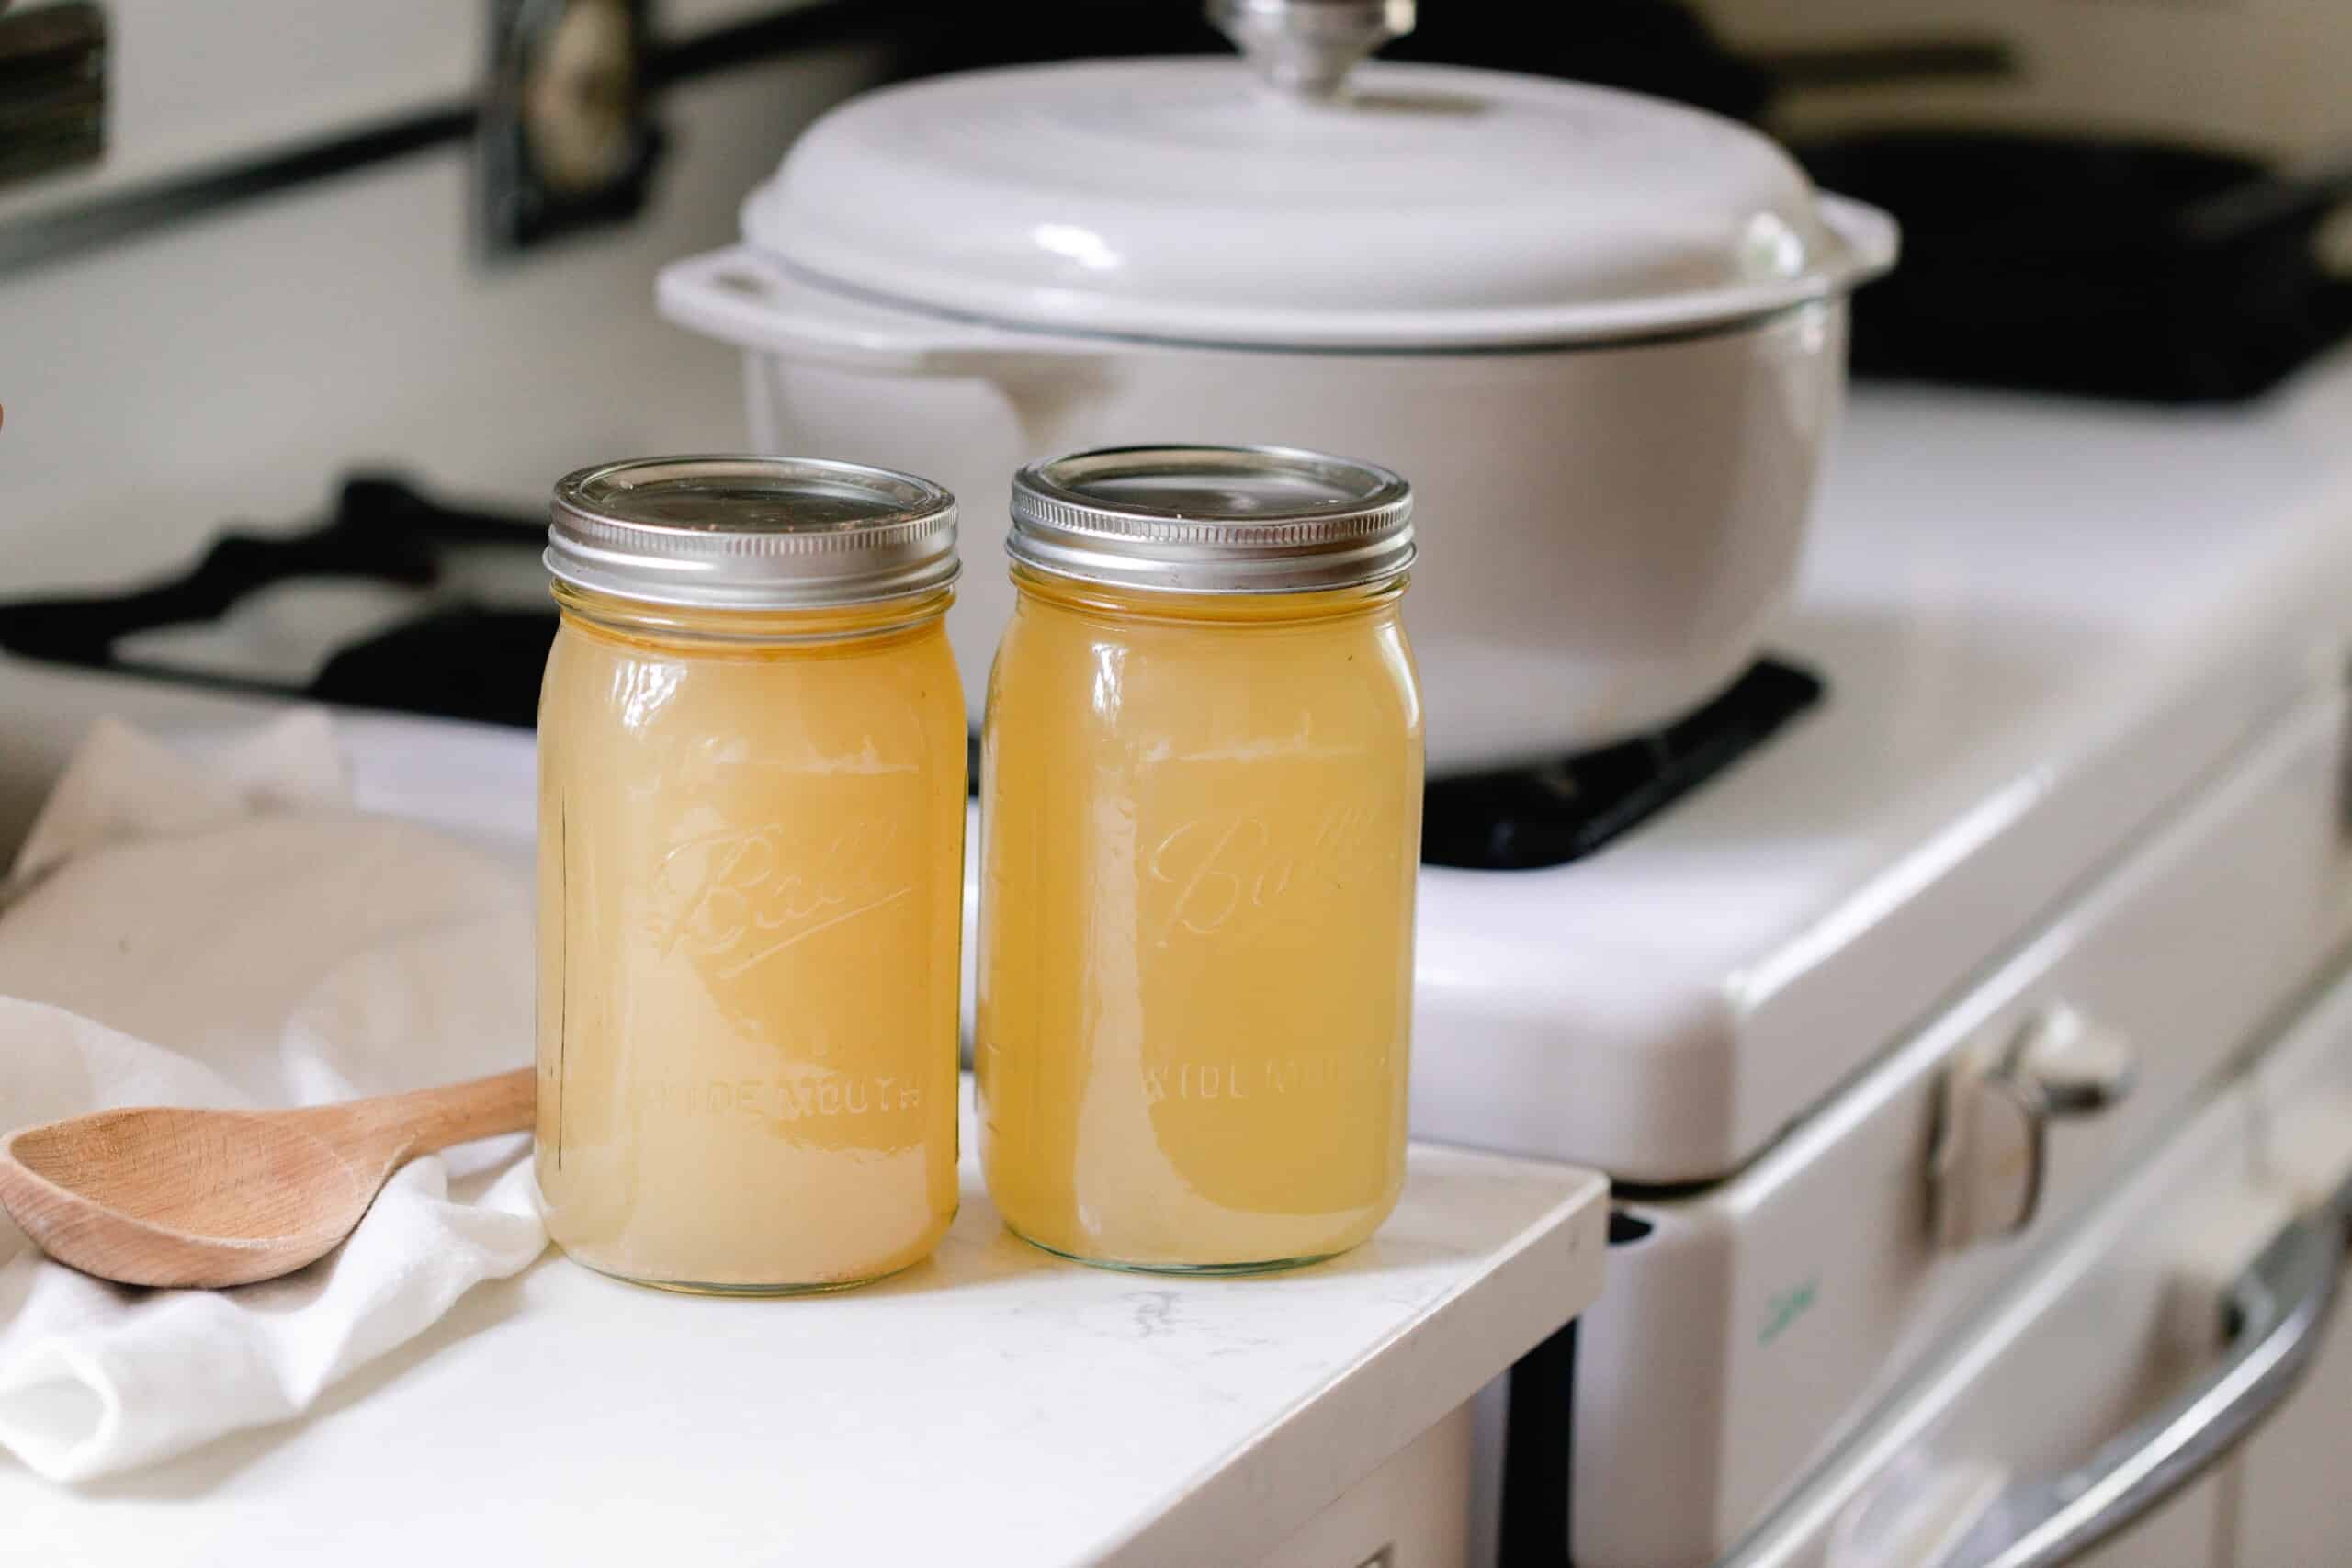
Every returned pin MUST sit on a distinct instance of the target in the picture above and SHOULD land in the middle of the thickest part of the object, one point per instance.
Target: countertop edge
(1246, 1506)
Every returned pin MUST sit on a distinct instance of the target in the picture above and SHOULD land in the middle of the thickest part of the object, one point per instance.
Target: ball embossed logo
(741, 897)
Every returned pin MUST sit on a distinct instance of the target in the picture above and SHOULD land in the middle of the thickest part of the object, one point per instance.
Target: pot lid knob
(1307, 47)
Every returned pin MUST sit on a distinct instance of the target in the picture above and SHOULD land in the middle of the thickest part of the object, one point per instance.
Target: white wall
(204, 84)
(191, 84)
(234, 367)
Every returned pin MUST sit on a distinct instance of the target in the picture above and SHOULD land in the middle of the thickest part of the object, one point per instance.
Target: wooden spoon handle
(426, 1121)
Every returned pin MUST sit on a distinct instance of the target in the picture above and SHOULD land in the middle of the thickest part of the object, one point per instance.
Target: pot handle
(1872, 238)
(747, 298)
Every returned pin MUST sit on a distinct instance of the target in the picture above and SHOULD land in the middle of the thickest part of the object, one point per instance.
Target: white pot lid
(1421, 207)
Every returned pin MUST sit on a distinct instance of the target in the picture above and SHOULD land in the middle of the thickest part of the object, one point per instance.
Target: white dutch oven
(1602, 335)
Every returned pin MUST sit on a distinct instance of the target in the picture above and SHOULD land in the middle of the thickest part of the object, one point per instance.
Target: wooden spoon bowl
(163, 1196)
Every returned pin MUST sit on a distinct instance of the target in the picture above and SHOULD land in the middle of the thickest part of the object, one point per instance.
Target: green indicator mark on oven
(1786, 1308)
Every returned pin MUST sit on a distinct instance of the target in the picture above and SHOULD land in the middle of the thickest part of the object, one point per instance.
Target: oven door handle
(2277, 1311)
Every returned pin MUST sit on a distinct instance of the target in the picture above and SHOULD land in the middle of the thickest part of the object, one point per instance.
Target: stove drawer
(1748, 1323)
(2291, 1507)
(2163, 1389)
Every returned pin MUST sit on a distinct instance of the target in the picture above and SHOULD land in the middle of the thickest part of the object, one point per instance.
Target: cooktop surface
(2036, 627)
(400, 603)
(2042, 625)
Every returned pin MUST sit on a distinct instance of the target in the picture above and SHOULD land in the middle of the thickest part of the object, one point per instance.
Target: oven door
(2161, 1390)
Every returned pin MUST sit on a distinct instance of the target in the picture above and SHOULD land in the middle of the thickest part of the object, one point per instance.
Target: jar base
(705, 1288)
(1213, 1270)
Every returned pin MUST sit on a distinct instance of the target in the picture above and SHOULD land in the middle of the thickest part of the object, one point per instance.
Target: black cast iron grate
(1554, 813)
(458, 657)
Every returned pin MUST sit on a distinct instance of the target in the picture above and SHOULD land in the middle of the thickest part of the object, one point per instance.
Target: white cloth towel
(229, 933)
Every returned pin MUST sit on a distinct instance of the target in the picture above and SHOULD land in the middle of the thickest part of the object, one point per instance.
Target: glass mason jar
(752, 798)
(1201, 800)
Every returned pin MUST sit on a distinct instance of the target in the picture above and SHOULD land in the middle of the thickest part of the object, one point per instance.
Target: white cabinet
(1413, 1512)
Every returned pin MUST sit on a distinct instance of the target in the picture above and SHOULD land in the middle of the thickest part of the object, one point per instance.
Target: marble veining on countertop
(992, 1405)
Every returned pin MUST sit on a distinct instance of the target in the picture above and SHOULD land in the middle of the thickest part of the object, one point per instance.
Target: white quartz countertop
(992, 1405)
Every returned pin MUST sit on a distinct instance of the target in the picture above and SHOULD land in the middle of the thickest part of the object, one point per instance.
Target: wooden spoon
(157, 1196)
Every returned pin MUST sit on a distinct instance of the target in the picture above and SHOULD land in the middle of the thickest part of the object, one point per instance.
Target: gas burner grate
(464, 653)
(1553, 813)
(457, 655)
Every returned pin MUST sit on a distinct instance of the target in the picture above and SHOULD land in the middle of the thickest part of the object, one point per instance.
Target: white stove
(1873, 1024)
(2041, 624)
(1864, 1023)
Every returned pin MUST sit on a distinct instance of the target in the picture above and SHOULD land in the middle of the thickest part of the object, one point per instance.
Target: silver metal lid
(751, 533)
(1212, 519)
